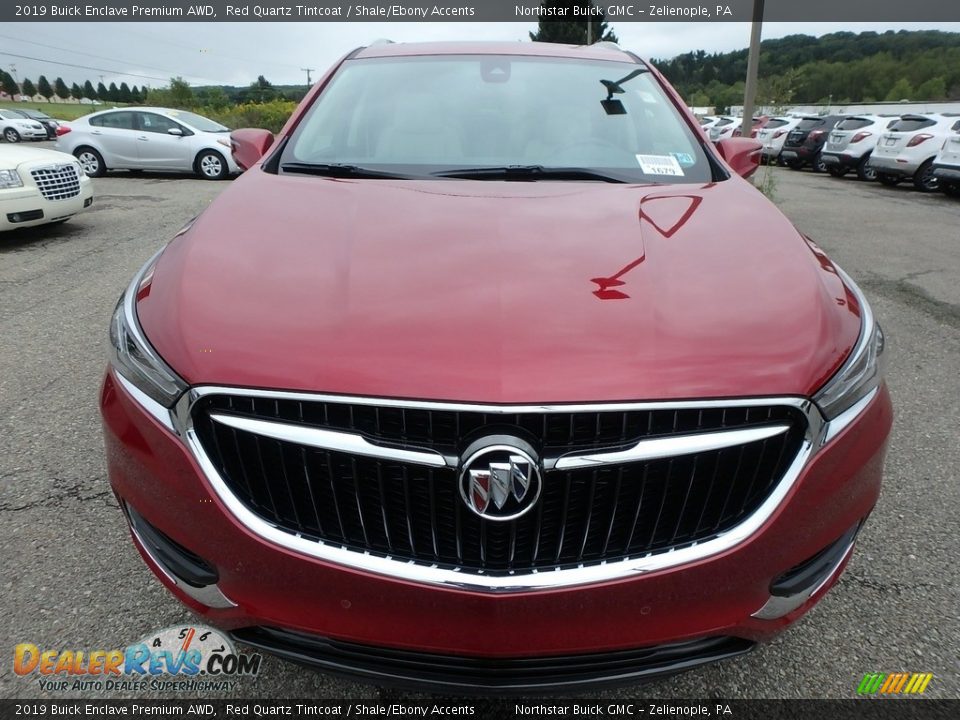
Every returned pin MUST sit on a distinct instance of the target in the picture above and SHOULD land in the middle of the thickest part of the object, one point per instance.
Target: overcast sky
(235, 53)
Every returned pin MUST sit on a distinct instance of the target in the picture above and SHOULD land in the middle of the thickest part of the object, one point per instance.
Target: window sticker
(685, 159)
(659, 165)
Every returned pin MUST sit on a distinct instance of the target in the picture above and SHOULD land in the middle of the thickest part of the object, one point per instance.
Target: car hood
(11, 156)
(498, 292)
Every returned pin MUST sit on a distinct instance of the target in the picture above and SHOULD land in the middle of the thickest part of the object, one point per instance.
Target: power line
(99, 57)
(84, 67)
(308, 71)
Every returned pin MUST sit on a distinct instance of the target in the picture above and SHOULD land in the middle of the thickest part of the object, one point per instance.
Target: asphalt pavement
(72, 578)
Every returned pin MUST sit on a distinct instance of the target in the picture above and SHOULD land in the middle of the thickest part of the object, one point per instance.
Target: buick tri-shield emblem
(500, 481)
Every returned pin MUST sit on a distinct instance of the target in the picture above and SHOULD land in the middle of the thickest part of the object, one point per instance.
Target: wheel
(11, 135)
(836, 170)
(211, 165)
(866, 171)
(818, 165)
(795, 164)
(888, 180)
(924, 180)
(91, 161)
(952, 189)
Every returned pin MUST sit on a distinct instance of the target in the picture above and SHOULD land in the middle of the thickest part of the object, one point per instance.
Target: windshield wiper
(529, 172)
(340, 170)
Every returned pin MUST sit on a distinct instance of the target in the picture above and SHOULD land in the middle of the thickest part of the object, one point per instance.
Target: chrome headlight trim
(132, 356)
(862, 371)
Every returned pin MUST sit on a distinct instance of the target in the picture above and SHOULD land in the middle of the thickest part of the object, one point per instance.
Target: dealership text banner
(477, 10)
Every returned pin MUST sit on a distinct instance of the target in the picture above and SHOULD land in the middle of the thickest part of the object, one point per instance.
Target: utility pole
(308, 71)
(753, 63)
(589, 31)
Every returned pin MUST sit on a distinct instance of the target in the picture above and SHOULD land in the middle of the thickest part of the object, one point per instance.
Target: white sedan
(40, 186)
(15, 127)
(146, 138)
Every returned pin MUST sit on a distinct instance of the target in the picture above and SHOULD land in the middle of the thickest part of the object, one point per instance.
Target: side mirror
(175, 131)
(248, 145)
(742, 154)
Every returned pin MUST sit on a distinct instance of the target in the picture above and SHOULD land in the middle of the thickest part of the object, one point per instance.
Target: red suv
(491, 373)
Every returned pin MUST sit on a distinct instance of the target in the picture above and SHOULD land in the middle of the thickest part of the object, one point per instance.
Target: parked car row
(923, 148)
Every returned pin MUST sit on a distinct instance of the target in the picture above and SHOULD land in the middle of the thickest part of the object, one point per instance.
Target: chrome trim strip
(209, 595)
(532, 580)
(199, 392)
(329, 440)
(841, 421)
(777, 605)
(672, 447)
(161, 414)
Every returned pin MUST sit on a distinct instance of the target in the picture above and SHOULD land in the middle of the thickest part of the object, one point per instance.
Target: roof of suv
(599, 51)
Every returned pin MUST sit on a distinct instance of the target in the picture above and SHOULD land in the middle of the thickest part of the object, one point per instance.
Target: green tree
(213, 97)
(181, 94)
(88, 91)
(562, 26)
(933, 89)
(135, 94)
(125, 95)
(8, 84)
(28, 88)
(901, 90)
(102, 94)
(76, 92)
(61, 89)
(699, 99)
(43, 87)
(261, 91)
(113, 93)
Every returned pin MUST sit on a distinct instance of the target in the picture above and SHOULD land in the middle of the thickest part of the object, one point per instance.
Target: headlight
(863, 369)
(133, 357)
(10, 179)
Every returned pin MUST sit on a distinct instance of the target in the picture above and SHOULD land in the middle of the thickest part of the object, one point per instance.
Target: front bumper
(313, 604)
(26, 207)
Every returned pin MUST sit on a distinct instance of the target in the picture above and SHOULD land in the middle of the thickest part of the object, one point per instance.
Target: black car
(49, 124)
(806, 140)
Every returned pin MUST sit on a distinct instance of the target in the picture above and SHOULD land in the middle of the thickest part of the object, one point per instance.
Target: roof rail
(381, 41)
(607, 44)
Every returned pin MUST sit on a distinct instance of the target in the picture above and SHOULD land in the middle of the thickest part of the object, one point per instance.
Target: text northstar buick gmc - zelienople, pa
(492, 373)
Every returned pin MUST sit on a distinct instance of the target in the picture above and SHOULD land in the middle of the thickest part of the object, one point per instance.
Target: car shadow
(155, 176)
(38, 235)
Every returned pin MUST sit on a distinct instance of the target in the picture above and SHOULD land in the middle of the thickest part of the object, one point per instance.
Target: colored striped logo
(894, 683)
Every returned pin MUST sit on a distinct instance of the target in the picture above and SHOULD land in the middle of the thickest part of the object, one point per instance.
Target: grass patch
(59, 111)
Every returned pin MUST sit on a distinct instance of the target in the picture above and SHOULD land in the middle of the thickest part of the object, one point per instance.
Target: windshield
(423, 115)
(197, 122)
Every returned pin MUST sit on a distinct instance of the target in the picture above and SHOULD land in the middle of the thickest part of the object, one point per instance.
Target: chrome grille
(413, 512)
(57, 182)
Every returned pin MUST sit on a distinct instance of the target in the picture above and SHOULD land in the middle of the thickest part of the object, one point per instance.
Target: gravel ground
(73, 579)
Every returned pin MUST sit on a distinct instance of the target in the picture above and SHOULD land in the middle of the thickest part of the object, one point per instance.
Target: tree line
(59, 89)
(841, 68)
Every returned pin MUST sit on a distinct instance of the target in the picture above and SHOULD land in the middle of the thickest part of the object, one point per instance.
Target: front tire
(951, 189)
(795, 164)
(91, 161)
(818, 165)
(888, 180)
(837, 171)
(11, 135)
(924, 180)
(211, 165)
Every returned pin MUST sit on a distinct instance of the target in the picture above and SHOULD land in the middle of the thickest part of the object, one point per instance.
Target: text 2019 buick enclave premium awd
(492, 373)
